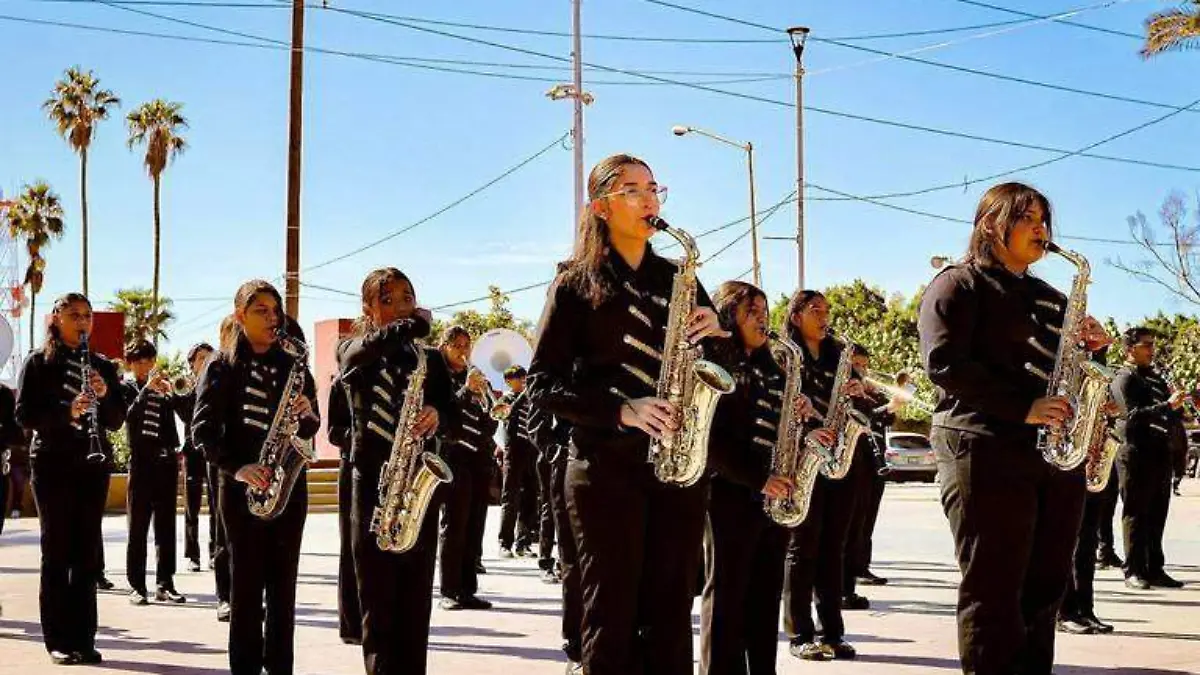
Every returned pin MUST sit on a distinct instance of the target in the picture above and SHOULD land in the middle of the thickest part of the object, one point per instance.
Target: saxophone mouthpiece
(1051, 247)
(657, 223)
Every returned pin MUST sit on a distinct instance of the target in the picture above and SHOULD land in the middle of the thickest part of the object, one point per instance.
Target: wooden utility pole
(295, 114)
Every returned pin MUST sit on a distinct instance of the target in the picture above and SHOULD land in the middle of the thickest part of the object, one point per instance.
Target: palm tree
(157, 125)
(145, 318)
(1173, 29)
(36, 217)
(76, 106)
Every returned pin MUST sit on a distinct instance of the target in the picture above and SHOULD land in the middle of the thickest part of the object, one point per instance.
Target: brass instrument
(1100, 456)
(282, 452)
(847, 423)
(183, 385)
(791, 458)
(1083, 382)
(494, 352)
(907, 394)
(688, 382)
(408, 480)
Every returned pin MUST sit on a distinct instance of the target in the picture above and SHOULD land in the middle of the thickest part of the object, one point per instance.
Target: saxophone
(1083, 382)
(791, 458)
(282, 452)
(1100, 457)
(847, 423)
(410, 476)
(687, 381)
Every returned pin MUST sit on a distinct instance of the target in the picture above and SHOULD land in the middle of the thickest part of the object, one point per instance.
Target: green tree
(36, 217)
(1172, 30)
(477, 323)
(157, 125)
(146, 318)
(76, 106)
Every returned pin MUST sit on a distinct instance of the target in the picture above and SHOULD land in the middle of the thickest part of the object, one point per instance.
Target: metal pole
(753, 216)
(295, 110)
(799, 35)
(577, 58)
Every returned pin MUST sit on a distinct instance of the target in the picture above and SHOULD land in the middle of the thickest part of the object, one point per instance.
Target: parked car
(909, 457)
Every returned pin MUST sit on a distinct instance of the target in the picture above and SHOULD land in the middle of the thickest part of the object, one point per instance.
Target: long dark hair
(584, 271)
(231, 330)
(372, 288)
(729, 297)
(1000, 208)
(800, 301)
(53, 335)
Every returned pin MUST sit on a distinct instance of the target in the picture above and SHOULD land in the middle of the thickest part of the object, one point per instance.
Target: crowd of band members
(575, 477)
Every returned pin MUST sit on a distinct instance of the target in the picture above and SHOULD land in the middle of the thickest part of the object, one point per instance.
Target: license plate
(913, 460)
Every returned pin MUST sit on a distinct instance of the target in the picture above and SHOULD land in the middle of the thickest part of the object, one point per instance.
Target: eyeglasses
(635, 195)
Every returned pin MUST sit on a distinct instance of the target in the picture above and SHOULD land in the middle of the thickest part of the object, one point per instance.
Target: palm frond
(1174, 29)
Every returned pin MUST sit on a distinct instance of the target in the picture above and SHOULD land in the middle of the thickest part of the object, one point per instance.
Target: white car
(909, 457)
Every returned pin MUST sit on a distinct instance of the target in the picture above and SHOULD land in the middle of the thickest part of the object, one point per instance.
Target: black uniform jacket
(1147, 420)
(149, 424)
(745, 424)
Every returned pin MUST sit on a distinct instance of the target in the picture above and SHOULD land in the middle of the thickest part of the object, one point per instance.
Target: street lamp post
(680, 130)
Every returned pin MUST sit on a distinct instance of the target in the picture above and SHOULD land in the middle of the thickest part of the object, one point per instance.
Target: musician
(1106, 554)
(237, 399)
(340, 421)
(12, 437)
(70, 486)
(153, 474)
(553, 438)
(1151, 414)
(744, 548)
(375, 363)
(196, 471)
(519, 492)
(1013, 515)
(638, 539)
(468, 451)
(816, 552)
(546, 442)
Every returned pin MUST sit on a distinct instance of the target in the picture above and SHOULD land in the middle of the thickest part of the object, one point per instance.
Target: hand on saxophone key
(303, 408)
(854, 388)
(427, 422)
(1177, 399)
(1093, 335)
(1051, 411)
(823, 437)
(652, 415)
(804, 408)
(255, 475)
(778, 487)
(704, 323)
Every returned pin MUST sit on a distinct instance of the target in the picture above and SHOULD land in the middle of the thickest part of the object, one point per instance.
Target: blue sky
(387, 145)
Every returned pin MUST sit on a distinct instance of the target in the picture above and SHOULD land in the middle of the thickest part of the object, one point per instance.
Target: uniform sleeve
(111, 409)
(439, 393)
(364, 350)
(309, 426)
(208, 421)
(339, 415)
(729, 452)
(947, 324)
(559, 343)
(36, 408)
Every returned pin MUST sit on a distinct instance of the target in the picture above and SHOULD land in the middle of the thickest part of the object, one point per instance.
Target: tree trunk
(157, 238)
(32, 317)
(83, 156)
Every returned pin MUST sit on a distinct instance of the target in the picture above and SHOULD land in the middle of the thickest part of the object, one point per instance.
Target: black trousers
(4, 491)
(394, 590)
(1015, 520)
(546, 526)
(195, 475)
(1080, 599)
(463, 518)
(639, 545)
(70, 502)
(519, 497)
(816, 563)
(868, 489)
(349, 614)
(572, 613)
(220, 540)
(151, 496)
(1107, 505)
(1146, 495)
(264, 561)
(743, 556)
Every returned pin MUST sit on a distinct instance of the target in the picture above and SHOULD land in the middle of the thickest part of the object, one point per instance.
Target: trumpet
(183, 385)
(497, 409)
(906, 393)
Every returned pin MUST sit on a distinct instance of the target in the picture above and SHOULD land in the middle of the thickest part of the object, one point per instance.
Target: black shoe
(1164, 580)
(1106, 559)
(169, 594)
(810, 651)
(194, 565)
(855, 602)
(138, 598)
(212, 564)
(63, 658)
(104, 584)
(869, 578)
(351, 640)
(506, 552)
(1096, 624)
(479, 568)
(1075, 626)
(223, 611)
(841, 650)
(524, 552)
(550, 577)
(1137, 583)
(450, 604)
(90, 657)
(474, 602)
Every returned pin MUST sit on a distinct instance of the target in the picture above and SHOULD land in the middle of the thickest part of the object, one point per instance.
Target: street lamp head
(680, 130)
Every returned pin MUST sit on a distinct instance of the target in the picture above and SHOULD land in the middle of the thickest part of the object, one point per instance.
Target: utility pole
(295, 114)
(580, 98)
(799, 35)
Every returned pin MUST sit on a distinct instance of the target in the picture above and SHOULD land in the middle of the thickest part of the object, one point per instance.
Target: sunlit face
(73, 320)
(632, 198)
(198, 361)
(813, 320)
(260, 319)
(141, 368)
(396, 300)
(1142, 351)
(1026, 243)
(752, 318)
(457, 352)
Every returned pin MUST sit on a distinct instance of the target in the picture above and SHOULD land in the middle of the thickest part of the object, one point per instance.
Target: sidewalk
(909, 629)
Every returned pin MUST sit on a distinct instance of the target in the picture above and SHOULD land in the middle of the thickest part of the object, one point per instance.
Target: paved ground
(910, 628)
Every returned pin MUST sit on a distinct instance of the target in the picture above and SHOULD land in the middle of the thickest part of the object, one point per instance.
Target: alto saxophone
(846, 423)
(410, 476)
(1100, 457)
(688, 382)
(1084, 383)
(282, 452)
(791, 458)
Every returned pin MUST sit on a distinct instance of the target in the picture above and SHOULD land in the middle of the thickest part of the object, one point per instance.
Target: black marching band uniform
(1014, 517)
(519, 510)
(153, 485)
(70, 491)
(339, 421)
(638, 540)
(816, 552)
(1144, 460)
(218, 545)
(553, 437)
(868, 478)
(236, 401)
(11, 438)
(394, 589)
(744, 549)
(468, 451)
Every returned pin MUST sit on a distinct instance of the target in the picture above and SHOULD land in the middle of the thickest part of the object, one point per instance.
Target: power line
(1074, 24)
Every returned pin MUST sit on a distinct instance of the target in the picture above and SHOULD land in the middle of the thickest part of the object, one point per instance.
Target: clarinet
(95, 446)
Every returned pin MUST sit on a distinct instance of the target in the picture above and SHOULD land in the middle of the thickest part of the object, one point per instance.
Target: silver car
(909, 457)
